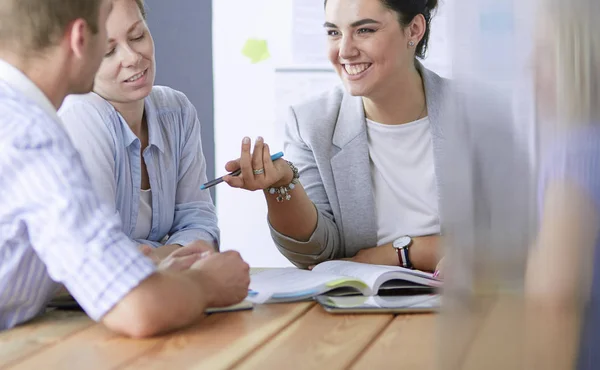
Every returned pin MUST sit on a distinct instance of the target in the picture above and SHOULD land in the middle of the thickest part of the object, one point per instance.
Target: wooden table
(276, 336)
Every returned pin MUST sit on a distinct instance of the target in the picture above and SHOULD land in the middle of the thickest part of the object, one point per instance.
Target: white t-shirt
(403, 177)
(144, 219)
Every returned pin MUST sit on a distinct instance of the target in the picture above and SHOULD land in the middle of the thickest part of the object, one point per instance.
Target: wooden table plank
(408, 343)
(41, 333)
(459, 325)
(318, 340)
(500, 341)
(222, 339)
(93, 348)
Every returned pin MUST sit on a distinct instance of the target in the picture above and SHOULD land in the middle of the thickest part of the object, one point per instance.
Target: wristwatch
(401, 246)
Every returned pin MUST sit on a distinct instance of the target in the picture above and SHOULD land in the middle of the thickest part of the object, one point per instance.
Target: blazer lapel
(352, 176)
(436, 94)
(351, 163)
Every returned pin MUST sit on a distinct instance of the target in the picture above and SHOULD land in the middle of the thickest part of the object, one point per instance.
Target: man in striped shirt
(53, 229)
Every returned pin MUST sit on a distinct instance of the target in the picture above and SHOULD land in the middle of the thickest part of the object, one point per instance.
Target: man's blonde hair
(577, 26)
(34, 25)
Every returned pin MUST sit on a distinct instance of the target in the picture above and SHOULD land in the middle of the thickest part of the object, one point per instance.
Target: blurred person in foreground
(563, 282)
(53, 228)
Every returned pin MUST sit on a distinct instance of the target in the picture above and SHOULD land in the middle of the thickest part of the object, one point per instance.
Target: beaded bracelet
(283, 192)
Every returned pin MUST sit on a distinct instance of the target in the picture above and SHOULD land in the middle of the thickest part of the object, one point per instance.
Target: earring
(411, 43)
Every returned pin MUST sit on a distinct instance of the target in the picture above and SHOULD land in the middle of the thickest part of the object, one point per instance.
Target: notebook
(419, 303)
(335, 277)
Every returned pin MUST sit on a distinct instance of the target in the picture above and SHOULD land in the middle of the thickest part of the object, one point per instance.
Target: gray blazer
(326, 139)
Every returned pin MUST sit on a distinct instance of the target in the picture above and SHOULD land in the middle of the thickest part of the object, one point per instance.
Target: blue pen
(235, 173)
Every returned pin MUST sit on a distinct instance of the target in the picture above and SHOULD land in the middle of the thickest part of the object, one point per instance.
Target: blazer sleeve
(325, 242)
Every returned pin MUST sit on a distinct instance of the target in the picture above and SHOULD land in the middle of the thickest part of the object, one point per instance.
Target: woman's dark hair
(407, 10)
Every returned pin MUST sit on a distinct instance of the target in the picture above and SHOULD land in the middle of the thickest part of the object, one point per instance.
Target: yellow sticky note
(346, 282)
(256, 50)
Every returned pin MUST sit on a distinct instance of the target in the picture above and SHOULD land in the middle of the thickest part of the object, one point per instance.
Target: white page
(287, 280)
(367, 272)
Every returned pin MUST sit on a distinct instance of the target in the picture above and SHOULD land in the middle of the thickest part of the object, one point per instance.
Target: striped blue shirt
(111, 152)
(53, 228)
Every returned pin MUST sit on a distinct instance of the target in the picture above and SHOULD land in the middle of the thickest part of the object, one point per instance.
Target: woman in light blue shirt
(141, 143)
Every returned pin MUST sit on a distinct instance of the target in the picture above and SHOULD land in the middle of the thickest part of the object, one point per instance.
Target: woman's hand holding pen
(258, 171)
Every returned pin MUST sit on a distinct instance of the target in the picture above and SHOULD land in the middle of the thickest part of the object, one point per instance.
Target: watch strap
(403, 257)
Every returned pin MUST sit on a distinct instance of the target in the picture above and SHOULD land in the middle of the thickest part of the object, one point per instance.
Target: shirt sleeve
(77, 237)
(92, 139)
(195, 215)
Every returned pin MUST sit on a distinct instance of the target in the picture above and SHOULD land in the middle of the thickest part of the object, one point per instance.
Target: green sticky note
(256, 50)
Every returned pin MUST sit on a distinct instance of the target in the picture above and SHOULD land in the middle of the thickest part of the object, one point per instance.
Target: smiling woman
(141, 143)
(366, 153)
(128, 71)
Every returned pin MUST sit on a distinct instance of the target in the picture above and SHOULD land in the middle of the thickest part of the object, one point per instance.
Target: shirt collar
(19, 81)
(155, 135)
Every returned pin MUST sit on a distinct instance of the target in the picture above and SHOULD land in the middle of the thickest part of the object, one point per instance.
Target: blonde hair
(577, 57)
(141, 5)
(34, 25)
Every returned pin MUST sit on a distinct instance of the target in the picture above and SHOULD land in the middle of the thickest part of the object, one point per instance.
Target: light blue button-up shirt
(181, 212)
(53, 228)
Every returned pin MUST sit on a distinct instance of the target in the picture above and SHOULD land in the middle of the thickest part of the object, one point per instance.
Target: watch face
(402, 242)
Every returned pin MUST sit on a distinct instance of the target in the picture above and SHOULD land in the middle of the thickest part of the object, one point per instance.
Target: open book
(341, 277)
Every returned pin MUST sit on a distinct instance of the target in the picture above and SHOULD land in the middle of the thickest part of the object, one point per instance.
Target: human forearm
(163, 251)
(424, 254)
(160, 253)
(163, 302)
(295, 218)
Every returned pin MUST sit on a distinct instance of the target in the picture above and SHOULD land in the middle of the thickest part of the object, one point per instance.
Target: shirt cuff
(186, 237)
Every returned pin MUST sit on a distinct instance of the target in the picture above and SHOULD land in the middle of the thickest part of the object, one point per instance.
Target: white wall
(248, 97)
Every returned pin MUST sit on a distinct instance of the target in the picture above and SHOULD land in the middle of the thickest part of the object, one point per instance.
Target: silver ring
(260, 171)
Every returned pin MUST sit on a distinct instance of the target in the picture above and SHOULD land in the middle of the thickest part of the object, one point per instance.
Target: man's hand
(149, 252)
(203, 245)
(226, 277)
(184, 257)
(175, 257)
